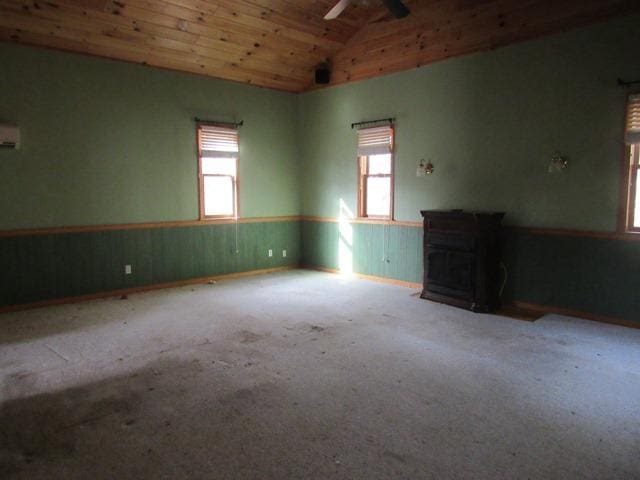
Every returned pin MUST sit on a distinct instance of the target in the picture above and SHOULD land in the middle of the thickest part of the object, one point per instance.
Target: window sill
(374, 219)
(213, 219)
(385, 221)
(634, 234)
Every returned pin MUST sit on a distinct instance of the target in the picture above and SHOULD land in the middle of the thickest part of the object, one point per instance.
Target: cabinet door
(450, 273)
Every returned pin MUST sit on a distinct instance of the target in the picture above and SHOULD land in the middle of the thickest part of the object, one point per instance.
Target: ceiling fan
(396, 7)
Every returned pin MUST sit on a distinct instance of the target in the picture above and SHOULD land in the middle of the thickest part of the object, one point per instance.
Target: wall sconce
(558, 163)
(424, 169)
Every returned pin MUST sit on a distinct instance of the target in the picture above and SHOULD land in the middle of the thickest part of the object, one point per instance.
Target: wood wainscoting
(549, 270)
(43, 265)
(54, 265)
(123, 292)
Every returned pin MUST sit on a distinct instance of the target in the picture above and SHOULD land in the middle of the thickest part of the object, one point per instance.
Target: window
(218, 171)
(632, 162)
(375, 172)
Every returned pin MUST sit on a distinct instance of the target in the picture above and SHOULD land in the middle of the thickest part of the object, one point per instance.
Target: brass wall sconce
(424, 168)
(558, 163)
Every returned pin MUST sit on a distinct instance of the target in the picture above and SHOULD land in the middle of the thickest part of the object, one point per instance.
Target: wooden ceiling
(278, 43)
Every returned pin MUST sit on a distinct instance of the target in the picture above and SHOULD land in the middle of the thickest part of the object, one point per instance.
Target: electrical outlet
(270, 253)
(284, 253)
(127, 269)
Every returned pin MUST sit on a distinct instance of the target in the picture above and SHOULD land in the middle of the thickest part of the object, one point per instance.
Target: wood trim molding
(517, 309)
(145, 288)
(539, 310)
(136, 226)
(372, 221)
(628, 236)
(200, 179)
(374, 278)
(201, 175)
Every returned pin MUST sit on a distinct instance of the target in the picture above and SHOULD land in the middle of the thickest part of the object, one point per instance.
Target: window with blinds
(632, 133)
(218, 171)
(375, 172)
(632, 139)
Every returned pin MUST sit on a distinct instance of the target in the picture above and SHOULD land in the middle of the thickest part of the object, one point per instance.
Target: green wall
(108, 142)
(595, 275)
(383, 251)
(490, 123)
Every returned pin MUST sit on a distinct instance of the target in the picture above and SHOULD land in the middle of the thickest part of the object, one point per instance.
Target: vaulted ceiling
(278, 43)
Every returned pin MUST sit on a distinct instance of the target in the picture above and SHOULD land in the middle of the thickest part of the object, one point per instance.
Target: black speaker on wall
(323, 75)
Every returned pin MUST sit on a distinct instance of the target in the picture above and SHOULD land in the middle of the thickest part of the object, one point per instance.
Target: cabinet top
(464, 216)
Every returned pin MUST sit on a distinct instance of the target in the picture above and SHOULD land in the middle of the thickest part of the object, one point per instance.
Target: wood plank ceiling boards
(278, 43)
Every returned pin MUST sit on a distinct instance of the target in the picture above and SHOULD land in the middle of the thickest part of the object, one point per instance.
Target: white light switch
(270, 253)
(127, 269)
(284, 253)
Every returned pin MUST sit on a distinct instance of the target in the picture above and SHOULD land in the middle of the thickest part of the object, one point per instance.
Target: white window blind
(375, 141)
(632, 131)
(218, 142)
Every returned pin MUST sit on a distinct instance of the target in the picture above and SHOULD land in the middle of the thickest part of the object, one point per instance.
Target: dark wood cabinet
(462, 258)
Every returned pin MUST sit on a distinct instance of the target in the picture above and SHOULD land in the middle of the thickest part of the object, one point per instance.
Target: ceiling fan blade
(397, 8)
(337, 9)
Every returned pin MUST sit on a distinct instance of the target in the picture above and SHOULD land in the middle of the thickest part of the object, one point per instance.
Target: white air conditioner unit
(9, 136)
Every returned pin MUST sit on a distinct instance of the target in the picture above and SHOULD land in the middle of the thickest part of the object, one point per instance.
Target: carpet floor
(307, 375)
